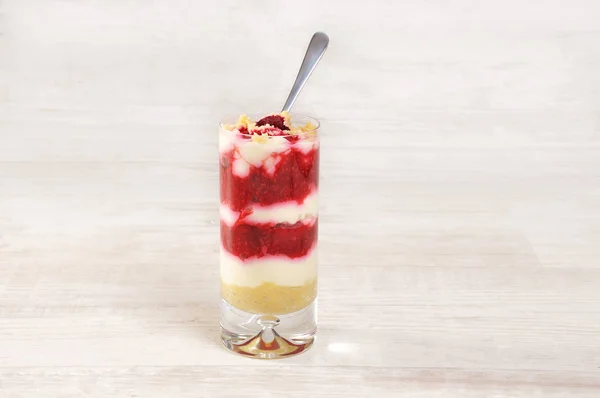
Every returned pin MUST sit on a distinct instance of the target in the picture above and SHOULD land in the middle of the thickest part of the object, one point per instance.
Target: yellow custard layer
(270, 298)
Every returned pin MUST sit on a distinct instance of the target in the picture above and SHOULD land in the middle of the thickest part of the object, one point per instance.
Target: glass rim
(258, 116)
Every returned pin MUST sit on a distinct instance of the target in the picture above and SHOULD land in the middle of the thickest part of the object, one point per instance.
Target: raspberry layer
(282, 176)
(247, 241)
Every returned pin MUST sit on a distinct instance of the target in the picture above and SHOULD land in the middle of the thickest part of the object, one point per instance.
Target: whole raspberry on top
(275, 120)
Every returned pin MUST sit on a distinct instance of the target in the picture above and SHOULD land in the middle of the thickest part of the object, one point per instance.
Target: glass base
(268, 336)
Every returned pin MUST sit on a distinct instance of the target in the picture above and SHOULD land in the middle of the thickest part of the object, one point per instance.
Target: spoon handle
(314, 53)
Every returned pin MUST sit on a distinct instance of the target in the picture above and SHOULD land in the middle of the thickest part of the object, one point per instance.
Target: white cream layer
(283, 212)
(280, 270)
(258, 153)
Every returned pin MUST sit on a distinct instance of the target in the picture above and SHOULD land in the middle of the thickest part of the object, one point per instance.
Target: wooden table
(460, 222)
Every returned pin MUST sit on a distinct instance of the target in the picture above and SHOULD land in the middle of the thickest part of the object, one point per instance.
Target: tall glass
(268, 259)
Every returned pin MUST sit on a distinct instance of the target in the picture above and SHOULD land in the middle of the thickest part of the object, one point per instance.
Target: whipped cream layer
(289, 212)
(279, 270)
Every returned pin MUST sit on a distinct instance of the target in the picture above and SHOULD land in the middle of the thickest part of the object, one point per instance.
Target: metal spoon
(314, 53)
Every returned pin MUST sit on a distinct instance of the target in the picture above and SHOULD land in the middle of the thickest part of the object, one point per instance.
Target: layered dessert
(269, 189)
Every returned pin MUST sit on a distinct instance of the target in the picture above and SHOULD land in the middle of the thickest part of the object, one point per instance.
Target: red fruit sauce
(258, 240)
(295, 177)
